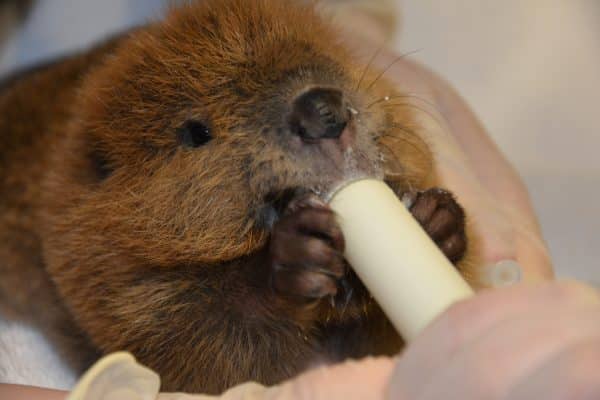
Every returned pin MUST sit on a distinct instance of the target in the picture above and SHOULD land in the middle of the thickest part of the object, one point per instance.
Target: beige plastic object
(404, 270)
(117, 377)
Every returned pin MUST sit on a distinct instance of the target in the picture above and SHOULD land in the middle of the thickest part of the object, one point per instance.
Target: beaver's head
(196, 128)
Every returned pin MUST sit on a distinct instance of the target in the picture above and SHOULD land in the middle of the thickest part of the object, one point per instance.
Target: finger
(321, 223)
(442, 224)
(292, 249)
(467, 320)
(304, 283)
(309, 253)
(308, 219)
(424, 206)
(455, 246)
(573, 374)
(490, 366)
(315, 222)
(355, 380)
(307, 201)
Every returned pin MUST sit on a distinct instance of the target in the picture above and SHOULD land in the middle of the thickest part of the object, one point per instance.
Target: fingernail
(408, 199)
(503, 273)
(316, 202)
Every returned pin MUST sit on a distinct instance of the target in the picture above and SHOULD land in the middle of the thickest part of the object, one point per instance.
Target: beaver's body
(144, 186)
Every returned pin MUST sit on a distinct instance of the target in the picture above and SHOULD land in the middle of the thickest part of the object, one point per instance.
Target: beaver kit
(162, 194)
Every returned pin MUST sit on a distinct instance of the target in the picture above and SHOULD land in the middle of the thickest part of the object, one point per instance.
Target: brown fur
(163, 257)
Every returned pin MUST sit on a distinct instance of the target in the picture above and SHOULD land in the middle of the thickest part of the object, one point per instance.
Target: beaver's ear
(193, 133)
(100, 165)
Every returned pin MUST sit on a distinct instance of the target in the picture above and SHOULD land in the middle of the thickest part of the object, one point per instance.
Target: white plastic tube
(403, 268)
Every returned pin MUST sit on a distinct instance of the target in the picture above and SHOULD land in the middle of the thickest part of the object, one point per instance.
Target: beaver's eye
(100, 165)
(193, 133)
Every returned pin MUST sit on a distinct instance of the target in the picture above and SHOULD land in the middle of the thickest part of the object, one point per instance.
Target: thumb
(360, 380)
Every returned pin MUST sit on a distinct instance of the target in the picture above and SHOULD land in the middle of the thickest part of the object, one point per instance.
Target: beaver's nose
(319, 114)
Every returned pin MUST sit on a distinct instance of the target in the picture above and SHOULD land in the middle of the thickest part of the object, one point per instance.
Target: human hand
(522, 342)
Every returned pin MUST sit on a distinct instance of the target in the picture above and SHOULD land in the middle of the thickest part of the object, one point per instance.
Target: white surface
(403, 268)
(531, 71)
(57, 27)
(26, 358)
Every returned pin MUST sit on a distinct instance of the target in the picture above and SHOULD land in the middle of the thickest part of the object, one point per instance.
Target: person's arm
(19, 392)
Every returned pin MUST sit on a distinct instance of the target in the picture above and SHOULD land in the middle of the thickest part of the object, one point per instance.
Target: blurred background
(529, 68)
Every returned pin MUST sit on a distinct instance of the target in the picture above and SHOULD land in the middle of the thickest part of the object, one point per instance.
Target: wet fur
(113, 236)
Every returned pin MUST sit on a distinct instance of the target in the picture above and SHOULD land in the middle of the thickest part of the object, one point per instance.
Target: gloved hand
(518, 343)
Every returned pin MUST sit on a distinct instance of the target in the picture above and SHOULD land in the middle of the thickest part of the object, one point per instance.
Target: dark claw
(443, 219)
(306, 250)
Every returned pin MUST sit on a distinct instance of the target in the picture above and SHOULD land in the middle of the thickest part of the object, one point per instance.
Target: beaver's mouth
(280, 199)
(275, 203)
(323, 181)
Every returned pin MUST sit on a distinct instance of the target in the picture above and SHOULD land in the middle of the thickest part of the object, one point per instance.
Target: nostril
(301, 131)
(334, 130)
(318, 114)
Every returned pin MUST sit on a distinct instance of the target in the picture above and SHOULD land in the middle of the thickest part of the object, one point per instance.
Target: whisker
(402, 178)
(405, 141)
(441, 123)
(385, 98)
(402, 56)
(402, 96)
(364, 73)
(403, 128)
(410, 133)
(398, 124)
(413, 95)
(390, 151)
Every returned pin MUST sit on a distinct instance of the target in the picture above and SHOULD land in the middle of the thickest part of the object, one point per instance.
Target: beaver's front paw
(306, 251)
(442, 218)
